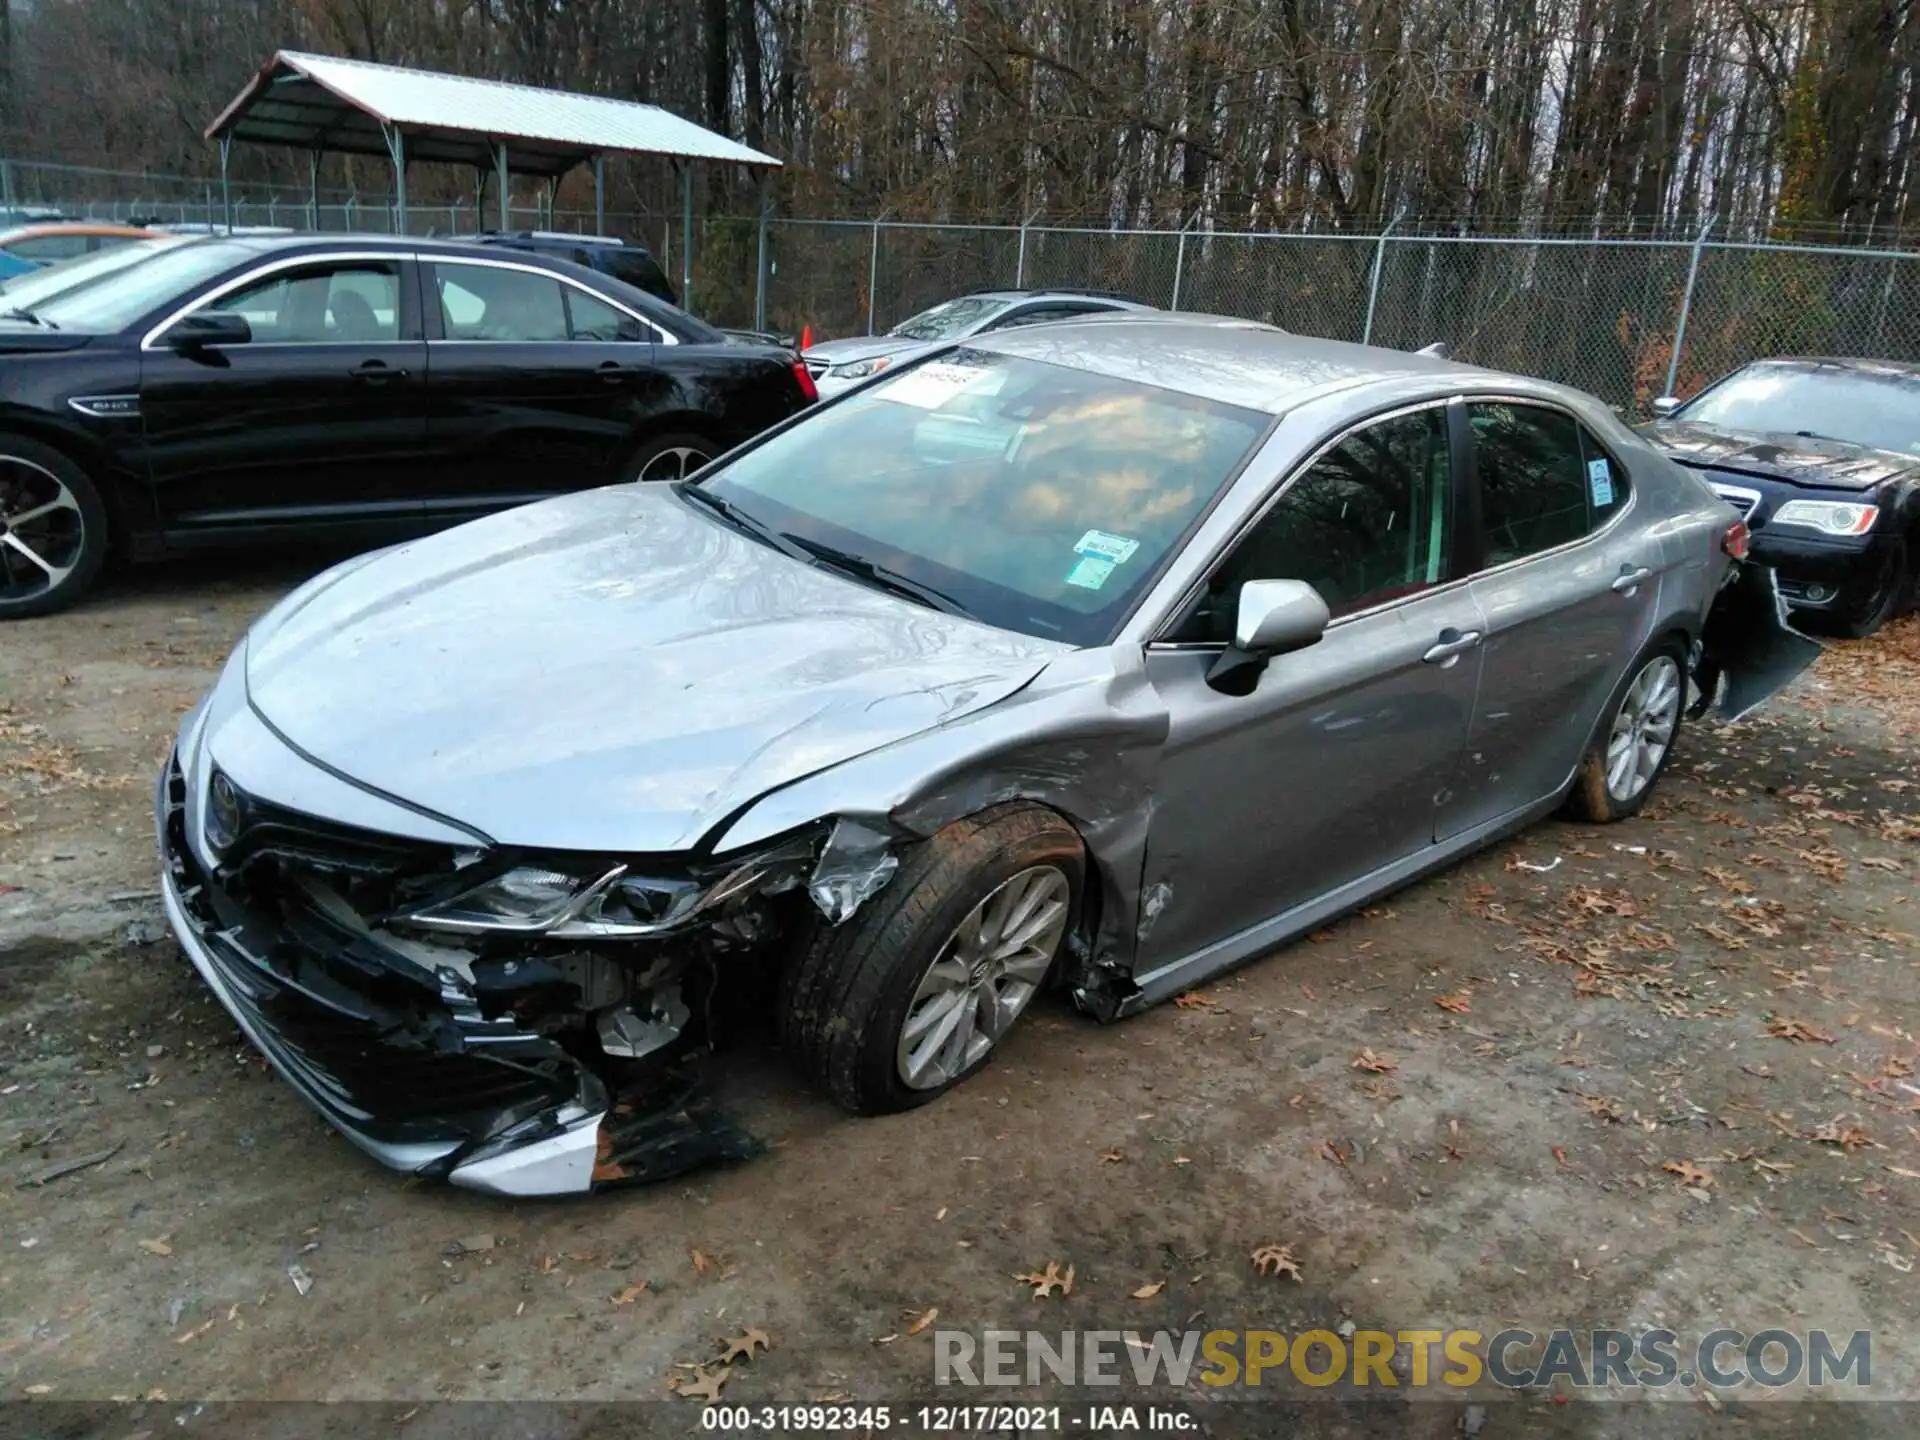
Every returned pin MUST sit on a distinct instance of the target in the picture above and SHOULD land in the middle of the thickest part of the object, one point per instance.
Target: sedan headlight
(603, 904)
(860, 369)
(1830, 517)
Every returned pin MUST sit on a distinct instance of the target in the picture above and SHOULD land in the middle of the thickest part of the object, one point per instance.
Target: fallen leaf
(1903, 1173)
(39, 1389)
(1798, 1031)
(742, 1346)
(1559, 1154)
(1277, 1260)
(158, 1247)
(1459, 1004)
(926, 1318)
(1112, 1157)
(1194, 1000)
(702, 1262)
(1847, 1137)
(1691, 1175)
(1147, 1292)
(1375, 1064)
(703, 1384)
(628, 1295)
(1053, 1280)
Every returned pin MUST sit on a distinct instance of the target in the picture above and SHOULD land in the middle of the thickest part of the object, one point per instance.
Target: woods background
(1783, 118)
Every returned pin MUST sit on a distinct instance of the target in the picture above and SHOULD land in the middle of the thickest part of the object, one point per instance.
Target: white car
(838, 365)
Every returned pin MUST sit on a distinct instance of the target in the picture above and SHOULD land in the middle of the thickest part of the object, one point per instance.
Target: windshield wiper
(21, 313)
(739, 519)
(877, 574)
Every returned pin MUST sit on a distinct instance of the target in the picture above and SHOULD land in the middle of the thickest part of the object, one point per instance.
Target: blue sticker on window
(1600, 482)
(1091, 573)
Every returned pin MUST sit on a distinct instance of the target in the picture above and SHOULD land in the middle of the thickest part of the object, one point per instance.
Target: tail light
(1738, 541)
(812, 391)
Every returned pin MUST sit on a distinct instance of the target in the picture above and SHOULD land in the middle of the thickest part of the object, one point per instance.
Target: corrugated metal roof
(327, 103)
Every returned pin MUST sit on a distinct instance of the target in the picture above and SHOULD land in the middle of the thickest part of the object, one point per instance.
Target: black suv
(626, 260)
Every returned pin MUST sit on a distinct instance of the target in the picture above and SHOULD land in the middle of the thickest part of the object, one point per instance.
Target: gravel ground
(1658, 1073)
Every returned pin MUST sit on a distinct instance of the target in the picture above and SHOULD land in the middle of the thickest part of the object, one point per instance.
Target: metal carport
(322, 104)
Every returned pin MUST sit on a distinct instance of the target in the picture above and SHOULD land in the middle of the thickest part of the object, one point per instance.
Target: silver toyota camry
(1103, 655)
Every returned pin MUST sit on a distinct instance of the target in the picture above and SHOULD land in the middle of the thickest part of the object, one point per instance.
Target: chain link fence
(1627, 319)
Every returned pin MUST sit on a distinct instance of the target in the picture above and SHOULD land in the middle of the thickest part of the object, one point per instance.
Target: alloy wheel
(675, 463)
(42, 530)
(1643, 728)
(982, 977)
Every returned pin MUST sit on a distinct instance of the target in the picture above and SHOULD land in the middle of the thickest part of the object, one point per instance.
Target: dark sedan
(1822, 457)
(358, 389)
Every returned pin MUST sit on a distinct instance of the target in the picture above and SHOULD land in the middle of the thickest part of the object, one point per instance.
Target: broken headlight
(609, 903)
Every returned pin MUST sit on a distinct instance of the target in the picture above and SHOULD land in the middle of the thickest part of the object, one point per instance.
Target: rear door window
(1544, 482)
(486, 302)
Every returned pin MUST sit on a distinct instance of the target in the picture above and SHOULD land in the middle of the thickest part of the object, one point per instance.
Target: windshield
(1880, 408)
(136, 289)
(39, 286)
(1036, 497)
(951, 320)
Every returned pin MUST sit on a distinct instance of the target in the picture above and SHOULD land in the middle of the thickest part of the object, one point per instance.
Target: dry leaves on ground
(743, 1346)
(1375, 1064)
(1053, 1280)
(1691, 1175)
(1459, 1004)
(702, 1384)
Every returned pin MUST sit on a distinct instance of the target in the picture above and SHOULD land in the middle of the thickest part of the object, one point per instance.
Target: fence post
(1180, 261)
(1373, 285)
(1020, 261)
(1686, 304)
(873, 267)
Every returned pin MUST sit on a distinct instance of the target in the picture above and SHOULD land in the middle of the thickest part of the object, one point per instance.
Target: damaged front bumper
(506, 1067)
(1748, 643)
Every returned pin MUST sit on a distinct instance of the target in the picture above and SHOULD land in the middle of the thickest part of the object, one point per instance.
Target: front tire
(1877, 598)
(53, 529)
(914, 993)
(1635, 740)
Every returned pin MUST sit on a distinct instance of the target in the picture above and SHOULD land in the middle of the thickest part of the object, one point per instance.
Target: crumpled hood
(862, 347)
(611, 671)
(1798, 459)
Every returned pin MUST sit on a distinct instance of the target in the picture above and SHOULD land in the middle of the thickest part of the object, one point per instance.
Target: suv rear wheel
(53, 529)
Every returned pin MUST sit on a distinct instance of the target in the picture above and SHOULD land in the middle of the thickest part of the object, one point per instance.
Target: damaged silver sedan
(1105, 655)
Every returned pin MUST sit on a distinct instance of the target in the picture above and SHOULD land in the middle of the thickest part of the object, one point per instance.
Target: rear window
(1544, 482)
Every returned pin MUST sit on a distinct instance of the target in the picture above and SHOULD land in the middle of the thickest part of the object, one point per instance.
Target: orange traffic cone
(806, 337)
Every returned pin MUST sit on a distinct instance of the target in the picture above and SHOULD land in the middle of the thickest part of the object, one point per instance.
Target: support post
(1373, 285)
(500, 166)
(760, 253)
(226, 180)
(397, 148)
(313, 189)
(1686, 305)
(553, 201)
(686, 236)
(479, 197)
(599, 194)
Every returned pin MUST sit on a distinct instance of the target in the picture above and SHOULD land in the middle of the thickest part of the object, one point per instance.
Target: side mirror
(1665, 406)
(208, 329)
(1274, 617)
(1439, 350)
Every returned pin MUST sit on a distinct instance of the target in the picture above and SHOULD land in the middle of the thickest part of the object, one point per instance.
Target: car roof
(1236, 362)
(1837, 362)
(39, 228)
(1063, 293)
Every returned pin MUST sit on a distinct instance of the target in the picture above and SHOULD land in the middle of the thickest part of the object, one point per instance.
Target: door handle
(1630, 580)
(613, 372)
(376, 372)
(1451, 646)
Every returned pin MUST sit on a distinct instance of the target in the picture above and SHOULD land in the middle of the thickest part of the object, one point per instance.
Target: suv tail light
(1738, 540)
(812, 391)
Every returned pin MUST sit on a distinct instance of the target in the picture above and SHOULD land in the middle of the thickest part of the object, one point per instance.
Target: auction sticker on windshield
(932, 385)
(1117, 548)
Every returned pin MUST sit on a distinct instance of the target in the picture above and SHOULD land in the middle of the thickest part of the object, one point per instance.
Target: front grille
(367, 1036)
(1743, 498)
(817, 368)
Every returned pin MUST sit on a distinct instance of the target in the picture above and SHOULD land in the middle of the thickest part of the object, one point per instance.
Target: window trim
(429, 287)
(1171, 617)
(1582, 428)
(397, 258)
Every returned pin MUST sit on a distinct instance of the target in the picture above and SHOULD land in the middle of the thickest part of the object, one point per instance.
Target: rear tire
(862, 1008)
(53, 529)
(669, 457)
(1635, 740)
